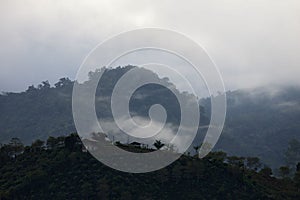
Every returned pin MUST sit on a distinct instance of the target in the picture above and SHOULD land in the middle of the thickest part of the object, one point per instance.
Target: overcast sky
(254, 43)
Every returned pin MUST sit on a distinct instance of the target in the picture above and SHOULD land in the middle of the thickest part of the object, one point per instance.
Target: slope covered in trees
(60, 169)
(45, 111)
(259, 122)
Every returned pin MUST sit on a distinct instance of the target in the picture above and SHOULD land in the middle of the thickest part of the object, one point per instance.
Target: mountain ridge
(259, 122)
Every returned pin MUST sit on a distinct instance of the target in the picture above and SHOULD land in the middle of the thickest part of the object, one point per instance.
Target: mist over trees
(259, 123)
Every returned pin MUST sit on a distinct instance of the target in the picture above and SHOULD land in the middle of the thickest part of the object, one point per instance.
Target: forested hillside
(46, 111)
(260, 122)
(61, 169)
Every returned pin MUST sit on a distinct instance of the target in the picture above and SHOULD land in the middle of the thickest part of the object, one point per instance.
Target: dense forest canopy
(60, 168)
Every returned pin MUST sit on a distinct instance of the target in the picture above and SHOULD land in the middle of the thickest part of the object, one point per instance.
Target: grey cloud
(253, 43)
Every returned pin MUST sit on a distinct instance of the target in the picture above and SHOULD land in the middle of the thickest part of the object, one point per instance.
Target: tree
(63, 82)
(297, 176)
(218, 156)
(266, 171)
(16, 147)
(52, 142)
(253, 163)
(292, 154)
(4, 154)
(284, 171)
(297, 179)
(72, 142)
(158, 144)
(44, 85)
(31, 89)
(37, 145)
(236, 161)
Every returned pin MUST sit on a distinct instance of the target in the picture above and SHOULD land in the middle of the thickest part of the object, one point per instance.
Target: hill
(260, 122)
(64, 171)
(45, 111)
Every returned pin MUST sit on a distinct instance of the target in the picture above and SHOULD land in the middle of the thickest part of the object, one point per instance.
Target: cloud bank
(253, 43)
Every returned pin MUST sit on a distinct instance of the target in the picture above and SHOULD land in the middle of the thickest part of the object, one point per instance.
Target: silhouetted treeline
(60, 168)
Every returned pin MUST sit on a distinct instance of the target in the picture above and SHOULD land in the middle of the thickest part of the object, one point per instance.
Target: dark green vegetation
(47, 111)
(259, 122)
(37, 113)
(59, 169)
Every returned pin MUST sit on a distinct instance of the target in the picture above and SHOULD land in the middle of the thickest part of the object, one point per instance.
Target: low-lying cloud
(166, 134)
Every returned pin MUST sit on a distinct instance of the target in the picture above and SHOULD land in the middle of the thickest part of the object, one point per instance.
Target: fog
(254, 43)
